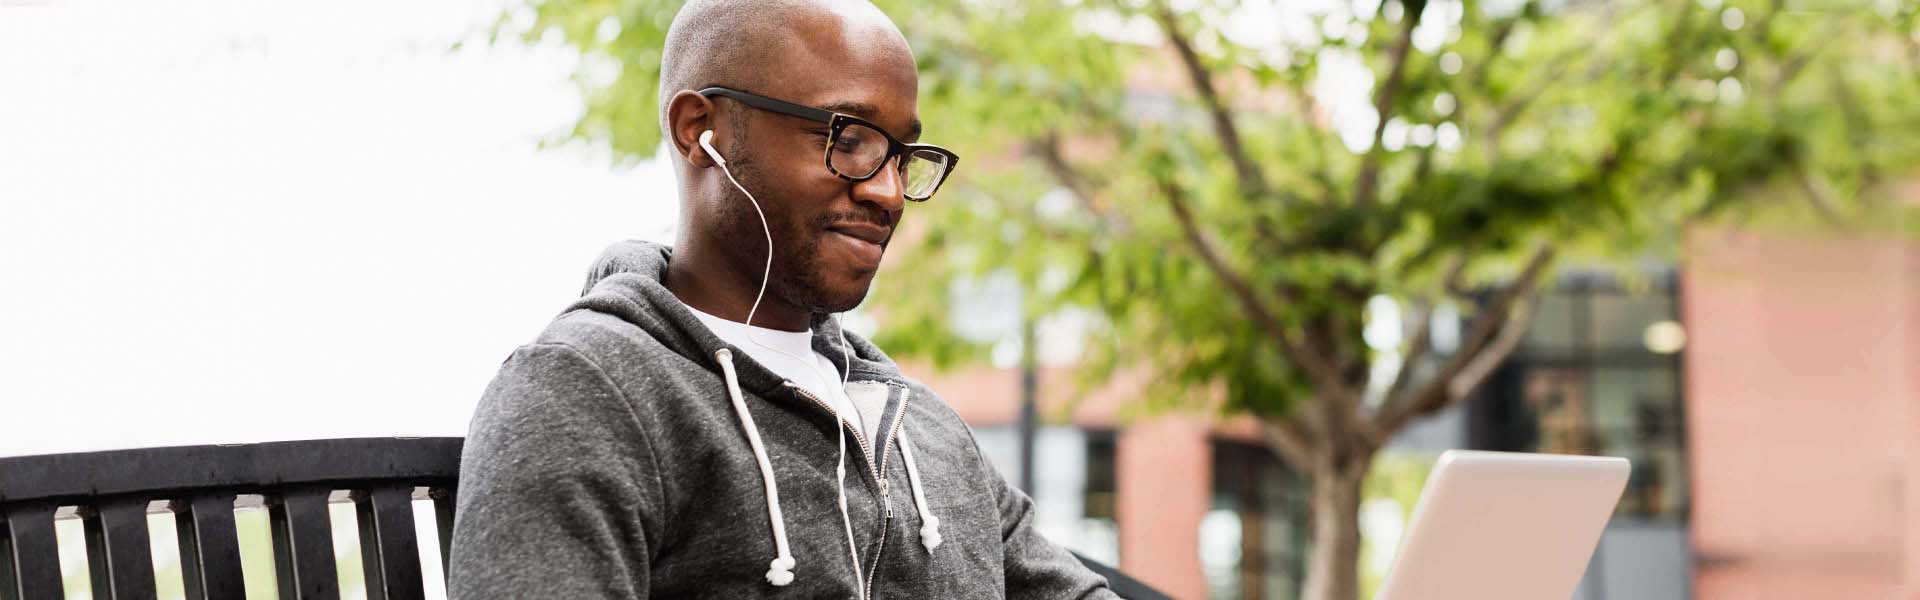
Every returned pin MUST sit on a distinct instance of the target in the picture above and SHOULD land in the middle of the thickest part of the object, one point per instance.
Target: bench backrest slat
(209, 547)
(8, 587)
(36, 554)
(443, 498)
(119, 554)
(303, 544)
(389, 554)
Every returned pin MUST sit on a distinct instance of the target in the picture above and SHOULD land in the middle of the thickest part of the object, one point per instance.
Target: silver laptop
(1505, 526)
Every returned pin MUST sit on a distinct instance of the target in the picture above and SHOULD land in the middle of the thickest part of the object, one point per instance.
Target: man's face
(828, 233)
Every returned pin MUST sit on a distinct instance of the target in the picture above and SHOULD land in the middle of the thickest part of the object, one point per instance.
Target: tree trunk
(1333, 564)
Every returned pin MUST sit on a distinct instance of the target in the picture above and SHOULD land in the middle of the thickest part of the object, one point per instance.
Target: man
(697, 424)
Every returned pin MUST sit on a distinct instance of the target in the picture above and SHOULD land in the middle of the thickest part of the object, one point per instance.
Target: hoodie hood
(628, 280)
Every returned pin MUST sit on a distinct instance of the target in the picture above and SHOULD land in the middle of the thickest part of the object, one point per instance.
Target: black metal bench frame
(113, 489)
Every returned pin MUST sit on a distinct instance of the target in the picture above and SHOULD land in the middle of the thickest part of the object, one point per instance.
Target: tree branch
(1455, 280)
(1441, 390)
(1292, 443)
(1419, 344)
(1858, 124)
(1316, 368)
(1819, 191)
(1366, 185)
(1252, 180)
(1677, 37)
(1489, 358)
(1064, 173)
(1496, 44)
(1327, 335)
(1421, 170)
(1048, 147)
(1793, 65)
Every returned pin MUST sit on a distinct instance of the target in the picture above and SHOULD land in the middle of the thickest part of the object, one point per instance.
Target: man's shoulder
(584, 364)
(602, 338)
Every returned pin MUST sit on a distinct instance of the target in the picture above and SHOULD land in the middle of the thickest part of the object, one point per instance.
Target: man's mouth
(872, 234)
(861, 240)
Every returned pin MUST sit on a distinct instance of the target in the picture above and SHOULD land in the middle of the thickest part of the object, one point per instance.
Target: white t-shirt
(782, 352)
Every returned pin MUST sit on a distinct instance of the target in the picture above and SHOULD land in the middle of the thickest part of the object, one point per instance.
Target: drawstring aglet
(930, 532)
(781, 571)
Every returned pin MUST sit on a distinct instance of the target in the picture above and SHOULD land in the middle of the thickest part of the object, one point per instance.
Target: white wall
(243, 221)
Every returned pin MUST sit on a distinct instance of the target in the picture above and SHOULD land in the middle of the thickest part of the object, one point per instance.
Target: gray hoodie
(627, 452)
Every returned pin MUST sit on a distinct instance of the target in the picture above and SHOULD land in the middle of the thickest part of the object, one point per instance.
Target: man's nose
(884, 189)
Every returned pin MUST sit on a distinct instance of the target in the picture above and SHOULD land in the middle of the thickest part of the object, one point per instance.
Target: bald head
(755, 44)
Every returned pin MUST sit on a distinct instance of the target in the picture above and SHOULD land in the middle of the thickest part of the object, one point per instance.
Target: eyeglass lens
(859, 151)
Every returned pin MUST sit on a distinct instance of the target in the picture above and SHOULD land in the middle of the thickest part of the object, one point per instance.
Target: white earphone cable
(840, 468)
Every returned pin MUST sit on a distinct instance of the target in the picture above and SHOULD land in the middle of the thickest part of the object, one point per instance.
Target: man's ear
(688, 114)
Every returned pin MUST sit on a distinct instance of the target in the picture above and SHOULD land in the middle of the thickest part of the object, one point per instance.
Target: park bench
(112, 492)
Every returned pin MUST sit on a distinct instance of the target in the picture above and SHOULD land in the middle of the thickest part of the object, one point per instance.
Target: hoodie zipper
(893, 433)
(874, 468)
(866, 451)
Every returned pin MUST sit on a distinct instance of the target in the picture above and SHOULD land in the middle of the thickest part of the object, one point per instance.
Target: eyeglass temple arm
(769, 104)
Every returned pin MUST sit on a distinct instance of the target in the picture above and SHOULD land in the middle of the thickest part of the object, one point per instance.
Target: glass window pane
(1101, 483)
(1099, 528)
(1637, 416)
(1220, 552)
(1557, 399)
(1630, 412)
(1553, 327)
(1620, 321)
(1252, 539)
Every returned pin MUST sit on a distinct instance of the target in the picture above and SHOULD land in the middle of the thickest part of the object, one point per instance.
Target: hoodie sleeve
(1036, 567)
(559, 496)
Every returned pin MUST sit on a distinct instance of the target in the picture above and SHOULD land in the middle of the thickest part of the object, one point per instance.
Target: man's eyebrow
(870, 113)
(858, 109)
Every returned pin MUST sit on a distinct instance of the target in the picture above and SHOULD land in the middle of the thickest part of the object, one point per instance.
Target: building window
(1598, 374)
(1253, 538)
(1099, 517)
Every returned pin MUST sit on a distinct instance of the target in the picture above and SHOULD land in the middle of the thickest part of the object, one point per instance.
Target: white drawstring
(929, 524)
(780, 571)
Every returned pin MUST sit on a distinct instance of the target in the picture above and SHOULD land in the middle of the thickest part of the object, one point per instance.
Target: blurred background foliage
(1227, 186)
(1602, 128)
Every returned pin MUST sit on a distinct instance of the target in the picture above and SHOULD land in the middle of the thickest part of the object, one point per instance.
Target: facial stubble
(798, 276)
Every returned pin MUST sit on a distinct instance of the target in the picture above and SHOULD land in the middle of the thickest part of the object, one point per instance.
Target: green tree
(1231, 183)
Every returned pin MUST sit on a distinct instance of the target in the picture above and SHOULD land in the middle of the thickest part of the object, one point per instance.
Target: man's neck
(705, 282)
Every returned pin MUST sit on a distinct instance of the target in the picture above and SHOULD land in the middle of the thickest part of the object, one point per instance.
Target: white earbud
(706, 141)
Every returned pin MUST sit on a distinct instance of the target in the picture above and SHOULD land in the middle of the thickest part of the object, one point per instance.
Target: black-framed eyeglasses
(857, 149)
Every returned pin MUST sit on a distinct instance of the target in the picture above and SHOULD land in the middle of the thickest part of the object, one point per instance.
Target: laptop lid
(1503, 525)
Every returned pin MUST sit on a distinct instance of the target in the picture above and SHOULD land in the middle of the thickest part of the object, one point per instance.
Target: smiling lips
(863, 240)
